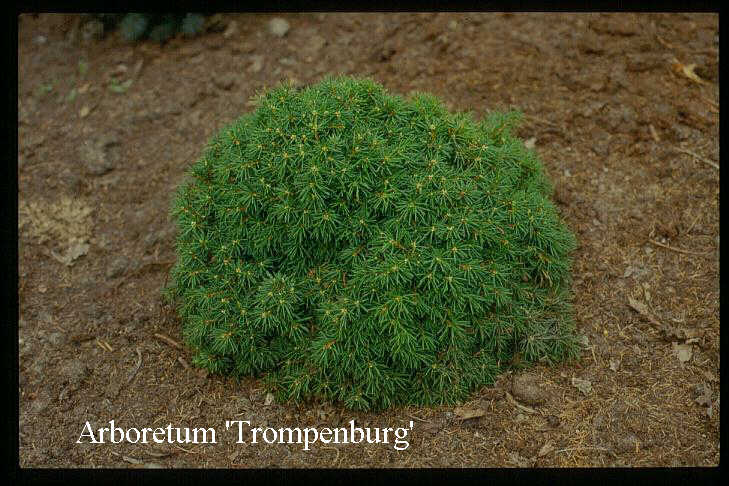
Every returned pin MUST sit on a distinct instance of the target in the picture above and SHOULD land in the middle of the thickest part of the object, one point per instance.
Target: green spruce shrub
(360, 247)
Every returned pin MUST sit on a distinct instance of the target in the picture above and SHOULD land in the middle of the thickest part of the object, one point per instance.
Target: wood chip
(80, 338)
(463, 413)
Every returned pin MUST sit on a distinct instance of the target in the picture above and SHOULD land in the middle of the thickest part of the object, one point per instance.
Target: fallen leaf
(83, 89)
(546, 449)
(269, 399)
(683, 351)
(585, 386)
(463, 413)
(85, 110)
(531, 143)
(642, 309)
(688, 71)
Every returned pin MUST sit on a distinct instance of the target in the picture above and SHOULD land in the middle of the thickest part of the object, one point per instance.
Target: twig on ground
(418, 418)
(168, 340)
(597, 448)
(104, 345)
(541, 120)
(679, 250)
(697, 157)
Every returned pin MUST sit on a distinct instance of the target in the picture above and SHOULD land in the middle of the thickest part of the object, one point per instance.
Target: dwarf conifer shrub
(361, 247)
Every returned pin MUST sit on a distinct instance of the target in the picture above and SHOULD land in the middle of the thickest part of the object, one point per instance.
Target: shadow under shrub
(361, 247)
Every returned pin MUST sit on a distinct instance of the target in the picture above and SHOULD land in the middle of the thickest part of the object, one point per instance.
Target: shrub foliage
(156, 27)
(357, 246)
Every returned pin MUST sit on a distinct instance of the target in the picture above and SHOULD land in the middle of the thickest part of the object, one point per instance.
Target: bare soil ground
(622, 109)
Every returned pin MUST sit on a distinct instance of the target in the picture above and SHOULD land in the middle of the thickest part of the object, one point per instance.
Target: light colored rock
(526, 388)
(278, 26)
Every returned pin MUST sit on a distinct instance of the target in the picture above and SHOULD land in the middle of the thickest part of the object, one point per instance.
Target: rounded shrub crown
(361, 247)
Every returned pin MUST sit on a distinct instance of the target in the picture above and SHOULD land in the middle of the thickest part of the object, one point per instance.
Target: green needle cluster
(359, 247)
